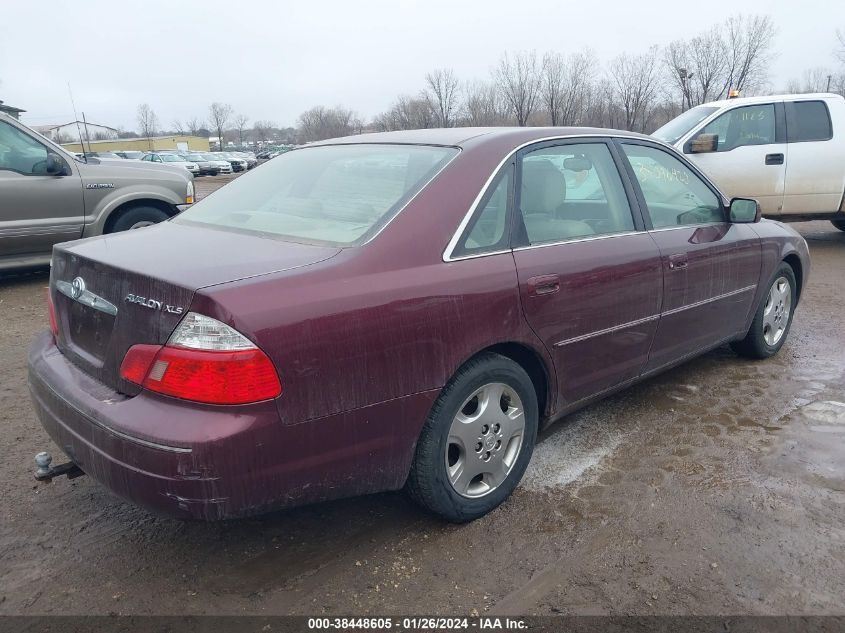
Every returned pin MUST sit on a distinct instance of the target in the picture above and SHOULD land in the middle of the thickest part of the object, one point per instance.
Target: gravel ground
(716, 488)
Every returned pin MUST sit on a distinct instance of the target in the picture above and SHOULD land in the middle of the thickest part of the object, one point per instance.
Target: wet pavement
(716, 488)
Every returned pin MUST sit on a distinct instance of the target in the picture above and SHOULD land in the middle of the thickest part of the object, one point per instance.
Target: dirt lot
(717, 488)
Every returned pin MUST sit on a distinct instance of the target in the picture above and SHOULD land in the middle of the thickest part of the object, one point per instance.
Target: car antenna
(85, 125)
(76, 119)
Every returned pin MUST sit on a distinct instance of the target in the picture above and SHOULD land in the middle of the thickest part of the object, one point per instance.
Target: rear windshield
(333, 194)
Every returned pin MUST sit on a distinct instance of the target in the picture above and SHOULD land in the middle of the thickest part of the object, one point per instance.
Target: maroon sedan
(396, 310)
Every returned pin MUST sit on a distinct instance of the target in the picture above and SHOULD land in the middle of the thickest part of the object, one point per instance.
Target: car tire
(136, 218)
(773, 318)
(839, 224)
(461, 416)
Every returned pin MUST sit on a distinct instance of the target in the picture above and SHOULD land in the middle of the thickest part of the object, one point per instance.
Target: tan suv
(48, 196)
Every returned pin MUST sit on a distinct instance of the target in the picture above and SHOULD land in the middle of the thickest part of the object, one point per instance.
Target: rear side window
(333, 194)
(488, 229)
(572, 191)
(807, 121)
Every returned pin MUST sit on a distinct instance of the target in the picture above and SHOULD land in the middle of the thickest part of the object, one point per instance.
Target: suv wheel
(477, 440)
(136, 218)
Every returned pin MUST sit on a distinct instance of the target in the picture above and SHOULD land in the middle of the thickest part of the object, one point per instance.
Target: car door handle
(774, 159)
(543, 285)
(678, 261)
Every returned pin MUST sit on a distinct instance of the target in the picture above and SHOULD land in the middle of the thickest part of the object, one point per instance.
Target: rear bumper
(208, 462)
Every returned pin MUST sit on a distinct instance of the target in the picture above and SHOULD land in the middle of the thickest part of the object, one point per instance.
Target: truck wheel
(839, 224)
(136, 218)
(477, 440)
(774, 316)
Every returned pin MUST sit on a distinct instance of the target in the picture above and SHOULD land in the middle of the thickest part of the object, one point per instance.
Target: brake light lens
(204, 361)
(51, 310)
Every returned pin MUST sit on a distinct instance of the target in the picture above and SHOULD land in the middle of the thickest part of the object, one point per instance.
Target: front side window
(674, 194)
(748, 125)
(572, 191)
(807, 121)
(331, 194)
(21, 153)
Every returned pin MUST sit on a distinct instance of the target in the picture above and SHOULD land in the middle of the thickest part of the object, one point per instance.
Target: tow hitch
(45, 472)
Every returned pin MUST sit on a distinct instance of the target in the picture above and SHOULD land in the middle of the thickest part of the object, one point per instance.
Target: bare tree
(262, 130)
(748, 45)
(635, 81)
(698, 68)
(818, 80)
(178, 127)
(147, 121)
(408, 113)
(320, 123)
(240, 126)
(195, 126)
(840, 51)
(518, 80)
(482, 105)
(442, 86)
(219, 115)
(564, 86)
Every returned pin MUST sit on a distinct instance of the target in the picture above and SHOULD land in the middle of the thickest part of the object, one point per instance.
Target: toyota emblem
(77, 287)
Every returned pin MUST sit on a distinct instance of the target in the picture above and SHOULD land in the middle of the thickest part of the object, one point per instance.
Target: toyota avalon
(396, 310)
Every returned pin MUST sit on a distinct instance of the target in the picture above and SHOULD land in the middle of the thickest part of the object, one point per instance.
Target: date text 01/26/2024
(418, 623)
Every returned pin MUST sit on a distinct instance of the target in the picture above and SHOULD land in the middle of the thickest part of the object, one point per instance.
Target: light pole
(684, 76)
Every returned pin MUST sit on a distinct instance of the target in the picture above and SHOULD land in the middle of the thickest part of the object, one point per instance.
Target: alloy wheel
(776, 311)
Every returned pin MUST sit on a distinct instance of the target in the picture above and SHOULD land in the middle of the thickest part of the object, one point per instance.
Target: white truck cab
(787, 151)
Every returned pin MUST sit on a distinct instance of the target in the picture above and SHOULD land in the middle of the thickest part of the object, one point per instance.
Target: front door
(710, 266)
(37, 210)
(589, 275)
(750, 160)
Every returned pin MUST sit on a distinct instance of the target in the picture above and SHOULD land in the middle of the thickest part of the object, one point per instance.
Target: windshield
(677, 128)
(171, 158)
(335, 194)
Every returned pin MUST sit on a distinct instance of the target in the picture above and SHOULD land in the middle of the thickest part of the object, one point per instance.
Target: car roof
(461, 136)
(736, 101)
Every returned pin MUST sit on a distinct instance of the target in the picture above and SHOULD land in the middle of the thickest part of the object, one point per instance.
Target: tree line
(633, 91)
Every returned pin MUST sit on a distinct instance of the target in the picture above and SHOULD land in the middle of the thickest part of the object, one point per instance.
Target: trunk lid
(114, 291)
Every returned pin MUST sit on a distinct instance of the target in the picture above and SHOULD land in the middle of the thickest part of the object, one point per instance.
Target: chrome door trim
(710, 300)
(615, 328)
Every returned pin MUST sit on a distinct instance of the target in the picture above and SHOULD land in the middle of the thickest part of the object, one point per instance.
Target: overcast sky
(272, 60)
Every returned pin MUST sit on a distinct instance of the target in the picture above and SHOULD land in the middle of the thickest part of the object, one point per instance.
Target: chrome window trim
(573, 240)
(456, 236)
(687, 226)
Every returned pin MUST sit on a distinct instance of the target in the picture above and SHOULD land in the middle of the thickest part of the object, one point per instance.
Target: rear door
(814, 172)
(750, 160)
(710, 266)
(37, 210)
(589, 275)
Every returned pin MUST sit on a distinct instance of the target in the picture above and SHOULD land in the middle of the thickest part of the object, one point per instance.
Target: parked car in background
(223, 166)
(130, 154)
(109, 155)
(786, 151)
(206, 167)
(396, 310)
(50, 196)
(174, 160)
(237, 163)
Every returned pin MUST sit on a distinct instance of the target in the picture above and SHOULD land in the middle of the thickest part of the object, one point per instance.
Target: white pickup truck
(787, 151)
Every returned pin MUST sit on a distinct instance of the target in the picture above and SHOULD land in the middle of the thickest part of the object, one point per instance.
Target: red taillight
(51, 310)
(214, 377)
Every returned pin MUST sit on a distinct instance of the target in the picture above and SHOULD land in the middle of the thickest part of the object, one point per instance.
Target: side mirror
(704, 144)
(745, 211)
(55, 166)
